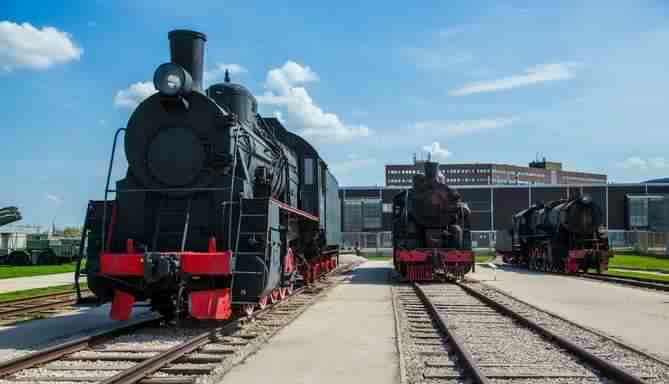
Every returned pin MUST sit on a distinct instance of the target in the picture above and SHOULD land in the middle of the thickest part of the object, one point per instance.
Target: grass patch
(645, 276)
(484, 258)
(28, 293)
(378, 257)
(8, 272)
(639, 262)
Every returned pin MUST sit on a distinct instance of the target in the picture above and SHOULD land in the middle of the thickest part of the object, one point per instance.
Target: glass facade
(648, 212)
(362, 214)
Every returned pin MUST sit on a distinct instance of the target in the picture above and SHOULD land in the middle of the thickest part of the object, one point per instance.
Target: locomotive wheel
(47, 257)
(248, 309)
(164, 306)
(262, 303)
(274, 296)
(19, 258)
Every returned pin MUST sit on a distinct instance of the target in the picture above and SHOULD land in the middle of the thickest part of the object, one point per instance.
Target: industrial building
(536, 173)
(367, 211)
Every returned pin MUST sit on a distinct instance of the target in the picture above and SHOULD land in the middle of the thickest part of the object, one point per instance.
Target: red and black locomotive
(431, 230)
(564, 235)
(220, 209)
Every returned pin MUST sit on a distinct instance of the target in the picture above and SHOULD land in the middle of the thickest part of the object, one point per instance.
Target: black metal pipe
(107, 190)
(187, 50)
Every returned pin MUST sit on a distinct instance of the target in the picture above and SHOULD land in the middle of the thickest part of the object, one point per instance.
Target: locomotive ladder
(164, 212)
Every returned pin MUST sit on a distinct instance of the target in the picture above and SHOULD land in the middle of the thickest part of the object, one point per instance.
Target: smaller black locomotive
(564, 235)
(431, 232)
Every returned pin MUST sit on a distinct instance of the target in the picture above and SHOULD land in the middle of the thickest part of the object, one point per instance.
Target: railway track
(629, 281)
(452, 333)
(151, 353)
(632, 281)
(37, 306)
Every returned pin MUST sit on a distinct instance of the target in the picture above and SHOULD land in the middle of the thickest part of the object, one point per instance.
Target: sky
(369, 83)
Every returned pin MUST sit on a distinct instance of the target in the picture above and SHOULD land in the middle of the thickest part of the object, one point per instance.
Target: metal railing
(642, 242)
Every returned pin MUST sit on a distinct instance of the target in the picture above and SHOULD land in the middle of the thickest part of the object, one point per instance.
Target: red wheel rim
(247, 309)
(262, 303)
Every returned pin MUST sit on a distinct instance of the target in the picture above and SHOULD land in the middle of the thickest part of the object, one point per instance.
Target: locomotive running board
(294, 210)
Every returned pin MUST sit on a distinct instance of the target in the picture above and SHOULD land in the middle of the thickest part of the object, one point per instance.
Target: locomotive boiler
(220, 208)
(564, 235)
(431, 230)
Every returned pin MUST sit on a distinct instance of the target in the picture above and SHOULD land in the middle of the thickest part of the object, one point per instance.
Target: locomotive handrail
(107, 190)
(169, 189)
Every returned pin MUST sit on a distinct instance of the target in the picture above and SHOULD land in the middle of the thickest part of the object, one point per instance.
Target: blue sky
(369, 82)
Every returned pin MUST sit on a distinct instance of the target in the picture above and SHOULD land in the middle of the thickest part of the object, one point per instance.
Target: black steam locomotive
(431, 231)
(564, 235)
(220, 209)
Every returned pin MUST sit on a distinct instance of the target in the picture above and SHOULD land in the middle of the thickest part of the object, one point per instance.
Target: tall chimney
(187, 50)
(431, 170)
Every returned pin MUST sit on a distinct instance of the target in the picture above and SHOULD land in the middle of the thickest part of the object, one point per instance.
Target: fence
(644, 242)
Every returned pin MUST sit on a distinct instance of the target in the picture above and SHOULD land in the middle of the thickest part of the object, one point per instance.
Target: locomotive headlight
(602, 231)
(171, 79)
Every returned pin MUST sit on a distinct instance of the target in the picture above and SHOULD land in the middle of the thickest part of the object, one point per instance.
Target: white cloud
(218, 72)
(24, 46)
(351, 164)
(658, 163)
(279, 116)
(443, 128)
(285, 88)
(436, 151)
(134, 94)
(534, 75)
(54, 198)
(641, 164)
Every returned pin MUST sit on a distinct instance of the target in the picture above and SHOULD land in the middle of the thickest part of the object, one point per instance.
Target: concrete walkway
(21, 283)
(639, 317)
(346, 337)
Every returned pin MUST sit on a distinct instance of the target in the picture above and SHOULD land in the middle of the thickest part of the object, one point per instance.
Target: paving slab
(636, 316)
(346, 337)
(22, 283)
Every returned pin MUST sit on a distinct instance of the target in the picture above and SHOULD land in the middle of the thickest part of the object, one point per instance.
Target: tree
(72, 231)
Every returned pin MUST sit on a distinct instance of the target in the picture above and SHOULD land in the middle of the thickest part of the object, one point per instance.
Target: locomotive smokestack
(431, 170)
(187, 50)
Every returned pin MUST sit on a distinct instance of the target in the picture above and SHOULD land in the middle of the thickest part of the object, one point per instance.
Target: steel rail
(607, 369)
(622, 280)
(37, 306)
(37, 297)
(632, 281)
(57, 351)
(460, 348)
(140, 371)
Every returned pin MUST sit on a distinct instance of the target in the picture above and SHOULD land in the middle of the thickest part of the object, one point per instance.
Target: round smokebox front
(175, 156)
